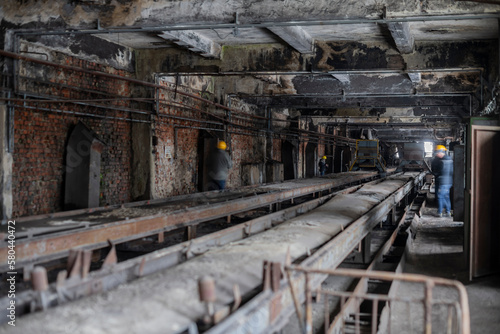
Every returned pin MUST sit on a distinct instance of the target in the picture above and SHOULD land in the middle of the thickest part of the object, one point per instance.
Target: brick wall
(41, 132)
(176, 150)
(176, 161)
(245, 149)
(277, 143)
(177, 156)
(39, 160)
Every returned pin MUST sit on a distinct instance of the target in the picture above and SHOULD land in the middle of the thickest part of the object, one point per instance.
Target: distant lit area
(428, 148)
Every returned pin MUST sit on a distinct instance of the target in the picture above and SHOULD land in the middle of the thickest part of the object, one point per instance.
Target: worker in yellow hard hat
(442, 169)
(322, 165)
(440, 148)
(218, 166)
(221, 145)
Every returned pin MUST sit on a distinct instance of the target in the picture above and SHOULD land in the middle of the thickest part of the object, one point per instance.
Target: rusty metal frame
(57, 245)
(351, 304)
(65, 290)
(269, 311)
(362, 285)
(462, 307)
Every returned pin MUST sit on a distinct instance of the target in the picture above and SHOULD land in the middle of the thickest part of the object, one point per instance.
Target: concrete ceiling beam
(415, 77)
(402, 36)
(194, 41)
(296, 37)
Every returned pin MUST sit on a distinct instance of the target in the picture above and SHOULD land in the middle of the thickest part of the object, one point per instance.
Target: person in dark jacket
(442, 168)
(218, 167)
(322, 166)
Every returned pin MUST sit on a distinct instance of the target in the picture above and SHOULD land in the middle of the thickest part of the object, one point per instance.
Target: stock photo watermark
(11, 274)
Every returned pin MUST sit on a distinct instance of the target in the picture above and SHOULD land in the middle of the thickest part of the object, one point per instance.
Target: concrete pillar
(142, 162)
(5, 167)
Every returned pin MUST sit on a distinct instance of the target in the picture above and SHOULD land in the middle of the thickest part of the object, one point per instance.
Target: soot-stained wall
(41, 131)
(184, 123)
(176, 145)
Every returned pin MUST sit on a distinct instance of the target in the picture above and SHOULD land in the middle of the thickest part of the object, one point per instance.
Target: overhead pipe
(80, 89)
(120, 118)
(154, 85)
(77, 113)
(17, 56)
(324, 73)
(77, 102)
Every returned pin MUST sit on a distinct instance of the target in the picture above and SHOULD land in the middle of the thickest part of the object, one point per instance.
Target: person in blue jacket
(322, 166)
(219, 164)
(442, 168)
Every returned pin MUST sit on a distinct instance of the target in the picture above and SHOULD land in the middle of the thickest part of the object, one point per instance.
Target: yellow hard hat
(221, 145)
(324, 157)
(440, 148)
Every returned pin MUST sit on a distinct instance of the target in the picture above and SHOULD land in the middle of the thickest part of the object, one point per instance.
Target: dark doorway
(288, 157)
(342, 158)
(206, 143)
(311, 159)
(83, 169)
(485, 207)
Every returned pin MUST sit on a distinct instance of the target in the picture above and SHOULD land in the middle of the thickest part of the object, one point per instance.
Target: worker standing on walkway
(219, 164)
(322, 165)
(442, 168)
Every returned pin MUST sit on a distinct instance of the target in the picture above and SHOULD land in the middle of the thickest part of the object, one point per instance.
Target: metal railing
(414, 304)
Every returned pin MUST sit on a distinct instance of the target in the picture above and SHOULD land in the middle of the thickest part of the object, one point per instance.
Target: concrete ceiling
(463, 27)
(359, 95)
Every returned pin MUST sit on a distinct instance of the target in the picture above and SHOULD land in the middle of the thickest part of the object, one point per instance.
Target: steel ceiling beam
(402, 36)
(296, 37)
(194, 42)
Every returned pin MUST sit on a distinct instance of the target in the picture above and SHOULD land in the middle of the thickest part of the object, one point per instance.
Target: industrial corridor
(238, 273)
(249, 167)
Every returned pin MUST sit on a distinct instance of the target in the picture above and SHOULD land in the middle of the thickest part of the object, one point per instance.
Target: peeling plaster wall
(153, 12)
(331, 56)
(71, 13)
(481, 54)
(85, 47)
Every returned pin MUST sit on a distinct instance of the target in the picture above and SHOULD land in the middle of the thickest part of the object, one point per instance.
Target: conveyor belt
(168, 302)
(48, 237)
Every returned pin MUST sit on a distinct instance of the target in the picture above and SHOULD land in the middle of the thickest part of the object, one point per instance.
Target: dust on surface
(174, 291)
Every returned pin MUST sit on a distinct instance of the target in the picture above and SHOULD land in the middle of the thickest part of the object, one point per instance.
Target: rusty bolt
(206, 289)
(39, 279)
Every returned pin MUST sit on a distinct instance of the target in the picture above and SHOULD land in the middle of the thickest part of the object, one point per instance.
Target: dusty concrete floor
(437, 251)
